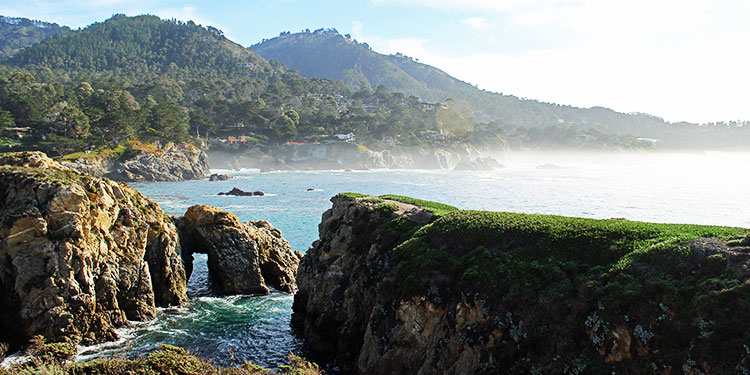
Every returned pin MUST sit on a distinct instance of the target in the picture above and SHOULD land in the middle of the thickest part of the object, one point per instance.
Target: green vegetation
(159, 81)
(560, 286)
(437, 209)
(495, 251)
(167, 81)
(53, 358)
(386, 207)
(353, 195)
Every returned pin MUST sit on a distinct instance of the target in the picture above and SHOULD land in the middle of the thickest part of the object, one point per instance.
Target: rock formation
(80, 256)
(389, 288)
(241, 193)
(242, 257)
(170, 163)
(219, 177)
(479, 164)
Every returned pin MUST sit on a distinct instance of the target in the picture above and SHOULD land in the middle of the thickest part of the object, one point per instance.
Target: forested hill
(145, 45)
(325, 53)
(18, 33)
(155, 80)
(152, 80)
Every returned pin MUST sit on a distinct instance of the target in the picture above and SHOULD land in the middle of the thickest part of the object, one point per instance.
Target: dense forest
(143, 78)
(18, 33)
(154, 80)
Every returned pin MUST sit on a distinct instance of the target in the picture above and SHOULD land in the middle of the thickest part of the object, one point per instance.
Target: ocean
(707, 188)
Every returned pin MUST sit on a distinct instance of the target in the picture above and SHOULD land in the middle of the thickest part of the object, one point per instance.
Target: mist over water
(708, 188)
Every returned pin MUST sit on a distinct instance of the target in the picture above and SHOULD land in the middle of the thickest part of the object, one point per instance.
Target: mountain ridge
(357, 63)
(17, 33)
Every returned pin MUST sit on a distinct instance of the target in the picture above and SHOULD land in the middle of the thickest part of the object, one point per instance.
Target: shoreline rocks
(81, 256)
(170, 163)
(479, 164)
(350, 156)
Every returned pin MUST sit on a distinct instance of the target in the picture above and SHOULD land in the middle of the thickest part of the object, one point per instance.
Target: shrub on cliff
(168, 360)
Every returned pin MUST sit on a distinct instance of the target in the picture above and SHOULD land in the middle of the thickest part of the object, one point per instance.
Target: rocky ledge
(169, 163)
(81, 256)
(398, 285)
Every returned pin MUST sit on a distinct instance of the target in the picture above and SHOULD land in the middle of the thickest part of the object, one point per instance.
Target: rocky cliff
(169, 163)
(81, 256)
(397, 285)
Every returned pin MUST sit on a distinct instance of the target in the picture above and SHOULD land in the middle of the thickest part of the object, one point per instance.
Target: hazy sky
(677, 59)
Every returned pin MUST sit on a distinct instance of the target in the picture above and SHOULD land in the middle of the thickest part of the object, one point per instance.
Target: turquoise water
(700, 189)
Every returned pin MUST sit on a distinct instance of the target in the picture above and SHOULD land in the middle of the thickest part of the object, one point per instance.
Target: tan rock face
(242, 257)
(80, 256)
(171, 163)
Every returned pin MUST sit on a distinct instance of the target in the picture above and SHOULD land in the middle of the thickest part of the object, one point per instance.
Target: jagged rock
(330, 306)
(80, 256)
(479, 164)
(241, 193)
(242, 257)
(401, 292)
(219, 177)
(170, 163)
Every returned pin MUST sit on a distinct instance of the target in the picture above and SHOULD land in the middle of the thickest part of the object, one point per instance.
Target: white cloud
(674, 85)
(476, 23)
(414, 46)
(484, 5)
(81, 13)
(679, 59)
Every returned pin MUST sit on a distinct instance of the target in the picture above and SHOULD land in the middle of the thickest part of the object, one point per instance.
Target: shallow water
(678, 188)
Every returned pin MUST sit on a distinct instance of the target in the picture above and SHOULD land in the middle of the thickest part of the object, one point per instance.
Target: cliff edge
(169, 163)
(398, 285)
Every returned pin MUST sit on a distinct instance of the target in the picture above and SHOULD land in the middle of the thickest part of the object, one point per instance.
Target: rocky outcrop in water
(219, 177)
(389, 289)
(80, 256)
(170, 163)
(242, 257)
(241, 193)
(479, 164)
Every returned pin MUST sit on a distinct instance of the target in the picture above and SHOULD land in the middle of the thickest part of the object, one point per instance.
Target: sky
(682, 60)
